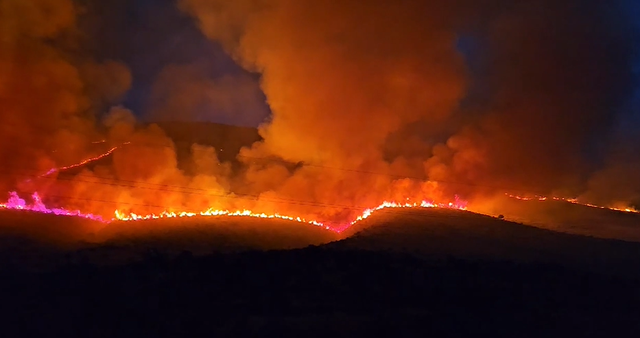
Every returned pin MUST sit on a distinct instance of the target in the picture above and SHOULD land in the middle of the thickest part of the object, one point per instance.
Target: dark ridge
(35, 241)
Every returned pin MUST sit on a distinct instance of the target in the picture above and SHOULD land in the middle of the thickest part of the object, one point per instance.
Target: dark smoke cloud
(556, 72)
(172, 63)
(188, 93)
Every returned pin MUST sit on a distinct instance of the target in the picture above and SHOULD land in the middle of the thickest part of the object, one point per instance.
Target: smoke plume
(185, 93)
(381, 87)
(60, 106)
(48, 91)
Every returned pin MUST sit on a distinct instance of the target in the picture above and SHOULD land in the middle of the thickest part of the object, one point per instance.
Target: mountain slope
(440, 232)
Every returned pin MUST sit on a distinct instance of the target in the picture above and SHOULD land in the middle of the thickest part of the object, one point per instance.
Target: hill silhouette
(404, 273)
(47, 240)
(317, 292)
(438, 233)
(567, 217)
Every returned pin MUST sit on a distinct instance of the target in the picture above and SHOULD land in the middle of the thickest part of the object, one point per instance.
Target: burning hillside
(389, 104)
(17, 203)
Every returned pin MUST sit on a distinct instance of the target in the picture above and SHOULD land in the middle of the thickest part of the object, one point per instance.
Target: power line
(404, 209)
(234, 196)
(273, 159)
(320, 166)
(200, 192)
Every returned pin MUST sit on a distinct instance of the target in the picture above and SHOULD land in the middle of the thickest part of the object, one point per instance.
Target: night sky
(150, 35)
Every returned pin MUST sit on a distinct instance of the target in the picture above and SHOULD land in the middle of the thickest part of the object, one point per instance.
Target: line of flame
(461, 205)
(120, 216)
(17, 203)
(81, 163)
(572, 201)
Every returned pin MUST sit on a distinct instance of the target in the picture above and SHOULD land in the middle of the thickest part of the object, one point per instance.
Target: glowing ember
(17, 203)
(572, 201)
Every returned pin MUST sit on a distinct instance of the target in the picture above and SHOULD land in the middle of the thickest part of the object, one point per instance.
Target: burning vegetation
(387, 104)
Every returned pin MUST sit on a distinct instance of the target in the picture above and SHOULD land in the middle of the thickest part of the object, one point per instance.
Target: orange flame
(120, 216)
(81, 163)
(572, 201)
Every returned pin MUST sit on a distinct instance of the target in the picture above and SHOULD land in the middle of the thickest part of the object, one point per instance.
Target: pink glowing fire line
(17, 203)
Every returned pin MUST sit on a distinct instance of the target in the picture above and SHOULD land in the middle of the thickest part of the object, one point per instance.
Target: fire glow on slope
(17, 203)
(572, 201)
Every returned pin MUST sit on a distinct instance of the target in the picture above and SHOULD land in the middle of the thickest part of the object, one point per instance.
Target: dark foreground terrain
(432, 274)
(316, 292)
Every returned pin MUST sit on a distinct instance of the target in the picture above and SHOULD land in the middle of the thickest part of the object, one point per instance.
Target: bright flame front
(460, 205)
(17, 203)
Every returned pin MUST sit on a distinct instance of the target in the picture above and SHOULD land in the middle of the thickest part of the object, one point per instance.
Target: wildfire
(208, 213)
(572, 201)
(83, 162)
(460, 205)
(17, 203)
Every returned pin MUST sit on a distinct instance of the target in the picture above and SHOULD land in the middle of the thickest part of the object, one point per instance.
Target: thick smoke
(553, 76)
(369, 101)
(187, 93)
(340, 78)
(351, 83)
(60, 106)
(47, 92)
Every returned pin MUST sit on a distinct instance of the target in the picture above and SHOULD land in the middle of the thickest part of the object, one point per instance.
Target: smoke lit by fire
(410, 102)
